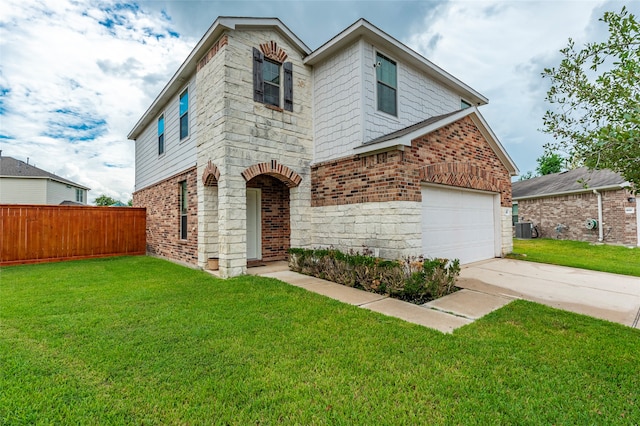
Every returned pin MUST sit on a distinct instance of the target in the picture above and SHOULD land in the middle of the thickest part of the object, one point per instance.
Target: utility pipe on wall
(600, 231)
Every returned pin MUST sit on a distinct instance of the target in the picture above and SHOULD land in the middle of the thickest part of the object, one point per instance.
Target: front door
(254, 231)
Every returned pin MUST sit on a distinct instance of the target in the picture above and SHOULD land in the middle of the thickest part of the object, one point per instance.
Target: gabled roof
(573, 181)
(360, 29)
(403, 137)
(364, 29)
(10, 167)
(188, 67)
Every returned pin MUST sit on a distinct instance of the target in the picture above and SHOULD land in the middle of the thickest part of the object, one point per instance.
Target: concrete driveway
(598, 294)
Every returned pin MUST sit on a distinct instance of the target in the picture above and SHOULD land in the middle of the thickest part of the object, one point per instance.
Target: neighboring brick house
(580, 204)
(258, 144)
(23, 183)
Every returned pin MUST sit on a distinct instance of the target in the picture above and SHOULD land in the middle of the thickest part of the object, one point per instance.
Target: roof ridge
(10, 170)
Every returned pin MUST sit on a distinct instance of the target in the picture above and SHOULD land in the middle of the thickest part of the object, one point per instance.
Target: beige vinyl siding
(23, 191)
(345, 100)
(337, 104)
(419, 97)
(58, 192)
(179, 155)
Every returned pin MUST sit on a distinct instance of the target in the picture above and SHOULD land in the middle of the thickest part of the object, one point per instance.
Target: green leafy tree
(549, 163)
(526, 175)
(595, 100)
(103, 200)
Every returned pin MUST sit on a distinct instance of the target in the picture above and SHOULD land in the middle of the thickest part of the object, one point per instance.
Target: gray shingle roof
(407, 130)
(578, 180)
(10, 167)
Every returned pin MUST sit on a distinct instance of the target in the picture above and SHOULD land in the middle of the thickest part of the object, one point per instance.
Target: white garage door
(458, 224)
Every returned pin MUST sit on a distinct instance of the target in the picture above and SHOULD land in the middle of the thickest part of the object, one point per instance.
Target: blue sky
(75, 75)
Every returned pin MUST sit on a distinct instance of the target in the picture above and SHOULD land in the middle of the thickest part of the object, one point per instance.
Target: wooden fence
(40, 233)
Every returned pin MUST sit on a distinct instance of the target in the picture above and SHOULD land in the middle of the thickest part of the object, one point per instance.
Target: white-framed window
(184, 209)
(161, 135)
(79, 195)
(464, 104)
(184, 114)
(387, 84)
(271, 79)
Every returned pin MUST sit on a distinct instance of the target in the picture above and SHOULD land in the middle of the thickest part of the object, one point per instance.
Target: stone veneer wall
(235, 133)
(376, 200)
(391, 229)
(573, 210)
(163, 218)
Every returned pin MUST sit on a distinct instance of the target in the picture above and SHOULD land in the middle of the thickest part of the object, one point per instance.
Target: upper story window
(387, 77)
(464, 104)
(161, 135)
(184, 114)
(272, 79)
(79, 195)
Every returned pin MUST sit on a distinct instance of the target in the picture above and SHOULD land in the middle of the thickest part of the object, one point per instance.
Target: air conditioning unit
(591, 223)
(523, 230)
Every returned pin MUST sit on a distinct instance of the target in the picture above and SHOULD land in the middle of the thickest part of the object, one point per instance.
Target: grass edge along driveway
(579, 254)
(141, 340)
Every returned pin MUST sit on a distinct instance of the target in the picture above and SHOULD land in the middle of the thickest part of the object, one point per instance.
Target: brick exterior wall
(163, 218)
(573, 210)
(375, 178)
(275, 219)
(455, 155)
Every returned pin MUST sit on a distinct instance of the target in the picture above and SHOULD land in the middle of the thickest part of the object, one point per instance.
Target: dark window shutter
(288, 86)
(258, 83)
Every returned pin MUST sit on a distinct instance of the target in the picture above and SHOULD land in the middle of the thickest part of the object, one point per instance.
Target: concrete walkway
(598, 294)
(445, 314)
(489, 285)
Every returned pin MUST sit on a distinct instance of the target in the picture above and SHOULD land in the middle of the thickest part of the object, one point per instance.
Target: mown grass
(579, 254)
(142, 341)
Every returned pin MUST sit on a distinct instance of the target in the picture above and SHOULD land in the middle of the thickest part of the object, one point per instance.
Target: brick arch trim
(464, 175)
(211, 175)
(283, 173)
(274, 52)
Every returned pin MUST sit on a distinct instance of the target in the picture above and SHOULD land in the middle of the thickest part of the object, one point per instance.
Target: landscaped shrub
(413, 279)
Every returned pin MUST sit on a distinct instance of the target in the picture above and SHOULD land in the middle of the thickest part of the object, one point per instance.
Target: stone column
(207, 223)
(232, 224)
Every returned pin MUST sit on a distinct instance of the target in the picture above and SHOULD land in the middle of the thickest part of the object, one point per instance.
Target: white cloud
(500, 48)
(77, 77)
(72, 70)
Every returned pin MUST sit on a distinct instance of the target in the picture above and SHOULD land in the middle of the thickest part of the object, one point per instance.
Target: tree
(595, 100)
(103, 200)
(549, 163)
(526, 176)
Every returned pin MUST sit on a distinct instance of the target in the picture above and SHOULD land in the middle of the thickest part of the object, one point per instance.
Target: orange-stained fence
(40, 233)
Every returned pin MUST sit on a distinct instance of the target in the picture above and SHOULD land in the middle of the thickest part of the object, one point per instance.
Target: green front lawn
(579, 254)
(143, 341)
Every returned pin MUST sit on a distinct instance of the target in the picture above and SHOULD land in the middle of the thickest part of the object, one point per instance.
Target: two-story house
(258, 144)
(23, 183)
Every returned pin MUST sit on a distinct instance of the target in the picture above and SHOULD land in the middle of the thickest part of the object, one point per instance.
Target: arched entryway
(268, 210)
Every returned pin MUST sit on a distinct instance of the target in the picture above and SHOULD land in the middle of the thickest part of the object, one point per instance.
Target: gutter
(600, 230)
(614, 187)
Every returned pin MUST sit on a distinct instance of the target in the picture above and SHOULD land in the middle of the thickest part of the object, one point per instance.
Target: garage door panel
(458, 224)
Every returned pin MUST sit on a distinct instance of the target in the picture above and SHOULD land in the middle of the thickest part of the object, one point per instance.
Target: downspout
(600, 231)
